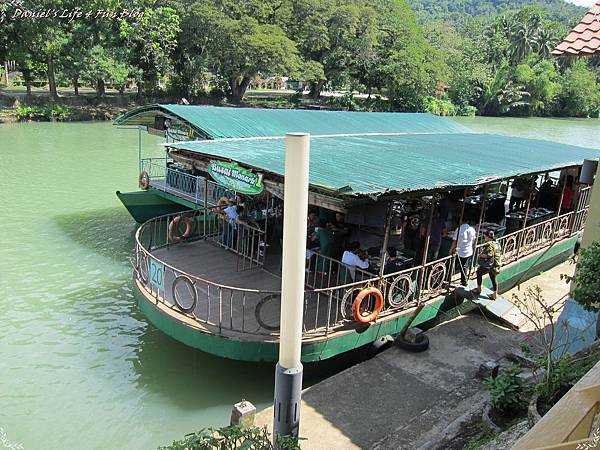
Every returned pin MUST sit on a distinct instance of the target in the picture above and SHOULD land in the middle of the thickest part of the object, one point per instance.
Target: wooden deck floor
(239, 300)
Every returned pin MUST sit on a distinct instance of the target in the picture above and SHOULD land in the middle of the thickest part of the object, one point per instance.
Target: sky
(582, 2)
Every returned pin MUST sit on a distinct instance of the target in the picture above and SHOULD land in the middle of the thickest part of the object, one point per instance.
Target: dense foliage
(587, 281)
(495, 60)
(230, 438)
(507, 391)
(457, 10)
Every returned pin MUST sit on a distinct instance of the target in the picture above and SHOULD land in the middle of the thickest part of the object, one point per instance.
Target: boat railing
(330, 290)
(410, 287)
(193, 188)
(154, 167)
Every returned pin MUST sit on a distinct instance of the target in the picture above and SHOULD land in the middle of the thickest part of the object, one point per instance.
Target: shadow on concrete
(397, 399)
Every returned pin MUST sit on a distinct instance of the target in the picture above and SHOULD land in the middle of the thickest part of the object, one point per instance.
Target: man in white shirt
(352, 260)
(463, 243)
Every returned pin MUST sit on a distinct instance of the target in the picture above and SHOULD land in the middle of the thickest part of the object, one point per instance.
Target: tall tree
(151, 39)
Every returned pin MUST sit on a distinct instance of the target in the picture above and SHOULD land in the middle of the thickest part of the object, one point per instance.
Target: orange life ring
(173, 226)
(365, 293)
(144, 180)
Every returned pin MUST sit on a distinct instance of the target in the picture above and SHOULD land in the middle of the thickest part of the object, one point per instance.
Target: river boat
(207, 263)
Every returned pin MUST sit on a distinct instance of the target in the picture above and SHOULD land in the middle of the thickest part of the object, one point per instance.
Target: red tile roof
(584, 39)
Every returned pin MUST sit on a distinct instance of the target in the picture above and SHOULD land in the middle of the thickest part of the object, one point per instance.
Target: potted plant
(508, 399)
(549, 363)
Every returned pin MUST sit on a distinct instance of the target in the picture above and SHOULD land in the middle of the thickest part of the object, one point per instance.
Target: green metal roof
(372, 164)
(214, 122)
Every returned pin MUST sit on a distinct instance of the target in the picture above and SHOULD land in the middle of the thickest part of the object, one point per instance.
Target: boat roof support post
(139, 148)
(486, 188)
(562, 195)
(426, 246)
(531, 189)
(386, 237)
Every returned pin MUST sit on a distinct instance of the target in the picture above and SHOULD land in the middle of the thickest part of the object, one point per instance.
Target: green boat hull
(145, 205)
(337, 343)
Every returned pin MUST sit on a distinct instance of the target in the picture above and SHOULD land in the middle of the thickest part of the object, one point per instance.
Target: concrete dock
(402, 400)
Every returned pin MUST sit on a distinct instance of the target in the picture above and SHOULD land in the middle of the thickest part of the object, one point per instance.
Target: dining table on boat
(516, 219)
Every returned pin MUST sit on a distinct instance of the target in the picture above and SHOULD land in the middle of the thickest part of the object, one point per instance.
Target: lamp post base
(288, 392)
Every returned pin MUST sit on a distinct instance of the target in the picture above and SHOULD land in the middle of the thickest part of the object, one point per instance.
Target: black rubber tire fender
(420, 345)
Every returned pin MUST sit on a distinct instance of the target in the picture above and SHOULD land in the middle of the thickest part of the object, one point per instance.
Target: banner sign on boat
(156, 272)
(235, 177)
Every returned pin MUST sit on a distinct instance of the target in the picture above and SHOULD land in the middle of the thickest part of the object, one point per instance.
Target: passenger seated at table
(412, 235)
(518, 195)
(392, 263)
(341, 233)
(325, 238)
(355, 257)
(546, 194)
(312, 240)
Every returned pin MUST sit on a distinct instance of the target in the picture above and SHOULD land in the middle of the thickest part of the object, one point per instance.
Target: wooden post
(527, 208)
(386, 237)
(426, 247)
(6, 73)
(482, 212)
(562, 195)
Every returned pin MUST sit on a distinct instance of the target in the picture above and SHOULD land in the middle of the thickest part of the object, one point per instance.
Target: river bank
(16, 106)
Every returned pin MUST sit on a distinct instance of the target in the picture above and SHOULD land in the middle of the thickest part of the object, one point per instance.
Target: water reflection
(109, 232)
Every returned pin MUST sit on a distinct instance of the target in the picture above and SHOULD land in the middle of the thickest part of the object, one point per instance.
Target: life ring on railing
(362, 295)
(190, 287)
(144, 180)
(174, 228)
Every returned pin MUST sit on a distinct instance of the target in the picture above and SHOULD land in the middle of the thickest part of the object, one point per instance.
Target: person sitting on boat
(392, 263)
(312, 240)
(518, 195)
(489, 263)
(355, 257)
(341, 232)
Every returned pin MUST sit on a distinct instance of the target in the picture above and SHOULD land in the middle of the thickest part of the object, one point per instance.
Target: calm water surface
(79, 366)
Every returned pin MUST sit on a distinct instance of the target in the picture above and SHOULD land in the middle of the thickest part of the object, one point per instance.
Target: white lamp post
(288, 372)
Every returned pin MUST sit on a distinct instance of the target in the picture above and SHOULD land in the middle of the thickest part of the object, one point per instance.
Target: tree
(541, 80)
(586, 280)
(579, 95)
(236, 47)
(100, 66)
(151, 39)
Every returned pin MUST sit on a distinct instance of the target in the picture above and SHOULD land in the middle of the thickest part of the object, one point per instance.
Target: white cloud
(582, 2)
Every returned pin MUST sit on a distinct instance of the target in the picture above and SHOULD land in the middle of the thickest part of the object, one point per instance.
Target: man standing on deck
(463, 243)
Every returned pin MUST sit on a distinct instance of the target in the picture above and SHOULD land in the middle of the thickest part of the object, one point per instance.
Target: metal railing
(194, 188)
(330, 288)
(154, 167)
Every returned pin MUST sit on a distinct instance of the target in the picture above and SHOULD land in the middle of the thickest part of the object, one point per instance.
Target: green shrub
(42, 113)
(229, 438)
(587, 281)
(507, 391)
(439, 106)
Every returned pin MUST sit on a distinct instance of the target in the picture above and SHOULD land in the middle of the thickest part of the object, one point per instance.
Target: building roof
(584, 39)
(213, 122)
(375, 164)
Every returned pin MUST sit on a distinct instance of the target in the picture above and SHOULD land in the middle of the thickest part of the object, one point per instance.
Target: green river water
(80, 368)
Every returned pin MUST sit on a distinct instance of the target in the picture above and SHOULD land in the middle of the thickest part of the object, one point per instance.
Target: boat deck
(232, 298)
